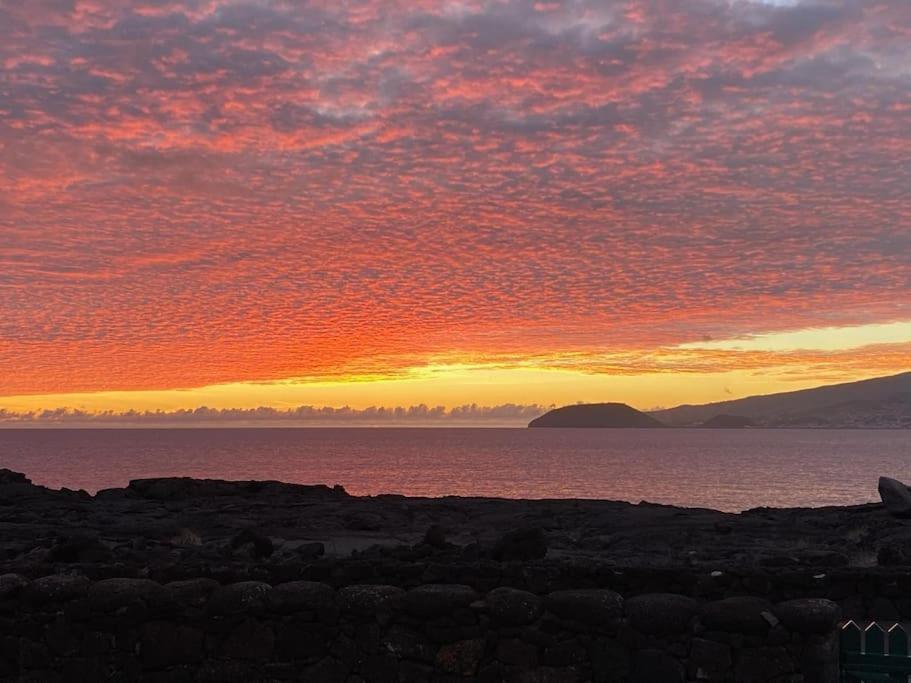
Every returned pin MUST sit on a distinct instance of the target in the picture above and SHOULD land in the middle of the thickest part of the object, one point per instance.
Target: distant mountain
(881, 402)
(728, 422)
(614, 415)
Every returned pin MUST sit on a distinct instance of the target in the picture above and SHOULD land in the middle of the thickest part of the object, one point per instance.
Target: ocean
(723, 469)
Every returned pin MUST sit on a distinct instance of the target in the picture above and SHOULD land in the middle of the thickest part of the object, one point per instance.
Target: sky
(243, 203)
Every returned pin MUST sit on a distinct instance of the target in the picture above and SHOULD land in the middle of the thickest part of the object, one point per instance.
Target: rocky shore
(206, 580)
(182, 528)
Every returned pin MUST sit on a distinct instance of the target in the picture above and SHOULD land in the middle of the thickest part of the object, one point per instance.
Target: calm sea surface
(724, 469)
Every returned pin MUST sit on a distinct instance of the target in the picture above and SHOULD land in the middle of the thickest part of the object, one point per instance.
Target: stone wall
(69, 628)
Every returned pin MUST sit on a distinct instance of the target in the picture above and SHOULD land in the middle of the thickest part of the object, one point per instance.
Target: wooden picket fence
(875, 652)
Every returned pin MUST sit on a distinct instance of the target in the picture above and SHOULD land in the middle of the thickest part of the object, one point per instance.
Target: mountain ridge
(876, 402)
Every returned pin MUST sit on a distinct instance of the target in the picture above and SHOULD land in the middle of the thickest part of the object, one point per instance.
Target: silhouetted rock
(11, 477)
(521, 544)
(435, 536)
(895, 496)
(80, 548)
(513, 607)
(252, 543)
(809, 615)
(595, 415)
(661, 613)
(742, 614)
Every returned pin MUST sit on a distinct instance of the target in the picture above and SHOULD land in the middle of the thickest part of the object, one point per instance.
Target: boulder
(11, 585)
(366, 599)
(437, 599)
(110, 595)
(895, 496)
(661, 613)
(461, 658)
(11, 477)
(84, 548)
(743, 614)
(809, 615)
(238, 598)
(191, 592)
(56, 588)
(296, 596)
(435, 537)
(656, 666)
(251, 543)
(520, 544)
(592, 606)
(513, 607)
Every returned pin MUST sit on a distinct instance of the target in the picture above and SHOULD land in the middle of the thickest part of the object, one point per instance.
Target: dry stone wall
(68, 628)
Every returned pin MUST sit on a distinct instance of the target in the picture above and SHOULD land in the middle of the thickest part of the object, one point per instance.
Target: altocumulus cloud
(200, 192)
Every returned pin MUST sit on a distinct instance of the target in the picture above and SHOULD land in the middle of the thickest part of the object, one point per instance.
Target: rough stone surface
(436, 599)
(521, 544)
(743, 614)
(656, 666)
(661, 613)
(809, 615)
(513, 607)
(368, 599)
(599, 607)
(295, 596)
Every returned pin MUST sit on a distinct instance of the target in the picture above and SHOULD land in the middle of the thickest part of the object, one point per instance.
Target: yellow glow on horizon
(813, 339)
(441, 385)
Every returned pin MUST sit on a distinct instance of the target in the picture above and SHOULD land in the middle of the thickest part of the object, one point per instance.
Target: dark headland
(593, 415)
(880, 403)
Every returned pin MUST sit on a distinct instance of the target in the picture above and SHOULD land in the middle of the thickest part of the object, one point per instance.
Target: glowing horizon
(490, 202)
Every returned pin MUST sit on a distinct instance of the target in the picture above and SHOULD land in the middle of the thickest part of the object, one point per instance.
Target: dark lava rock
(252, 543)
(593, 606)
(435, 536)
(823, 558)
(709, 660)
(517, 653)
(311, 551)
(367, 599)
(296, 596)
(521, 544)
(762, 664)
(237, 598)
(461, 658)
(11, 477)
(661, 613)
(437, 599)
(192, 592)
(656, 666)
(809, 615)
(110, 595)
(364, 521)
(742, 614)
(895, 496)
(80, 548)
(164, 645)
(11, 585)
(513, 607)
(56, 588)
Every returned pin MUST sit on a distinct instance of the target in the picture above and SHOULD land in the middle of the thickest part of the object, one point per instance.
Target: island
(595, 415)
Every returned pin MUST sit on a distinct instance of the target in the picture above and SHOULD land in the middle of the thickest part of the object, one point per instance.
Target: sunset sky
(367, 203)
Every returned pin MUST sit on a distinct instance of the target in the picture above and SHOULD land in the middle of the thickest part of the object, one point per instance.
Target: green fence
(875, 652)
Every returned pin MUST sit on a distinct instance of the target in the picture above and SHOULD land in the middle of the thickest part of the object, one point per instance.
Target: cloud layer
(507, 414)
(235, 190)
